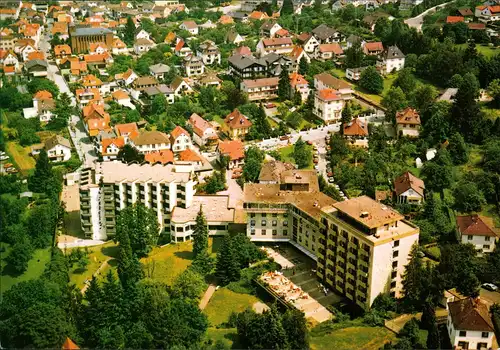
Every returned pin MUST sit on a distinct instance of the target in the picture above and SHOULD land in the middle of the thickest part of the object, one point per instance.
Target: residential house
(328, 105)
(233, 37)
(275, 63)
(258, 16)
(128, 131)
(142, 45)
(225, 20)
(98, 61)
(325, 35)
(142, 34)
(246, 66)
(98, 48)
(299, 85)
(325, 52)
(36, 55)
(466, 12)
(122, 98)
(354, 74)
(58, 149)
(182, 49)
(193, 65)
(61, 51)
(159, 70)
(90, 81)
(409, 189)
(43, 107)
(170, 38)
(204, 133)
(60, 29)
(298, 54)
(371, 18)
(373, 48)
(110, 147)
(190, 156)
(119, 47)
(180, 139)
(9, 59)
(269, 28)
(234, 150)
(260, 89)
(142, 83)
(25, 50)
(95, 119)
(190, 26)
(180, 86)
(308, 42)
(152, 91)
(454, 19)
(209, 53)
(327, 81)
(237, 125)
(487, 14)
(209, 79)
(151, 141)
(393, 60)
(86, 96)
(36, 68)
(355, 129)
(208, 25)
(275, 45)
(408, 122)
(477, 230)
(128, 77)
(77, 68)
(469, 324)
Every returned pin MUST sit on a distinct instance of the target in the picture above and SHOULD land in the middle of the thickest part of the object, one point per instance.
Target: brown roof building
(409, 189)
(356, 128)
(237, 124)
(477, 230)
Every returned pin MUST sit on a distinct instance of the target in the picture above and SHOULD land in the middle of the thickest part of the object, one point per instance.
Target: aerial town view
(250, 174)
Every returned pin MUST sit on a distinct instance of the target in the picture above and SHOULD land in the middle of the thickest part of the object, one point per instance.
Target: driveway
(417, 21)
(234, 191)
(84, 147)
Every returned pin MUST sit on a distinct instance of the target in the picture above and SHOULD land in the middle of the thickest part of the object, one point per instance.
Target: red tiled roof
(236, 120)
(454, 19)
(494, 9)
(36, 55)
(179, 45)
(69, 345)
(355, 128)
(43, 95)
(277, 41)
(475, 225)
(189, 155)
(297, 79)
(333, 47)
(178, 131)
(199, 124)
(258, 15)
(465, 12)
(329, 95)
(119, 142)
(120, 95)
(470, 315)
(282, 32)
(234, 149)
(59, 49)
(9, 69)
(476, 26)
(129, 129)
(94, 111)
(243, 50)
(375, 46)
(163, 157)
(94, 46)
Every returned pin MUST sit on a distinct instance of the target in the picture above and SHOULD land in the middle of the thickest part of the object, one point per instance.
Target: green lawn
(98, 255)
(225, 335)
(224, 302)
(36, 266)
(20, 157)
(287, 156)
(366, 338)
(488, 51)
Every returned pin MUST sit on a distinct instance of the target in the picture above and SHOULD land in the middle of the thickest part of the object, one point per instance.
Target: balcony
(85, 205)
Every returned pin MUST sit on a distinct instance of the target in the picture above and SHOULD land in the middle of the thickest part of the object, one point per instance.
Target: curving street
(417, 21)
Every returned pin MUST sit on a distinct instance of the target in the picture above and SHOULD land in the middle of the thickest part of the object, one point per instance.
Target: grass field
(225, 335)
(366, 338)
(36, 266)
(377, 98)
(20, 157)
(98, 255)
(224, 302)
(286, 154)
(488, 51)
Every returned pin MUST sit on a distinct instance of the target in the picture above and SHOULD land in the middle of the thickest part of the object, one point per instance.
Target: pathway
(417, 21)
(396, 324)
(105, 263)
(206, 297)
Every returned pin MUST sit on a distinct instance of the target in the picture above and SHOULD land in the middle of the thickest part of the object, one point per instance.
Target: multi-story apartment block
(261, 89)
(363, 249)
(193, 65)
(114, 185)
(209, 53)
(328, 105)
(246, 66)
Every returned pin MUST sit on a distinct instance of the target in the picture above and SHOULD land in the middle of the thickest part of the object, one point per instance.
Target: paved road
(226, 9)
(417, 21)
(84, 147)
(80, 243)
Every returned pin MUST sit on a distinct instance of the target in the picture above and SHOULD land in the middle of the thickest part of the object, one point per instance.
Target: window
(463, 344)
(275, 223)
(469, 238)
(285, 223)
(313, 238)
(252, 232)
(263, 232)
(285, 232)
(285, 215)
(263, 222)
(275, 232)
(482, 345)
(275, 215)
(300, 239)
(486, 246)
(487, 238)
(252, 215)
(463, 333)
(395, 254)
(394, 274)
(393, 284)
(485, 334)
(396, 244)
(252, 222)
(394, 264)
(307, 243)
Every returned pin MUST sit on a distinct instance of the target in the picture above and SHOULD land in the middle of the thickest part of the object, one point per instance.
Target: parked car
(331, 180)
(5, 157)
(490, 286)
(284, 137)
(315, 160)
(270, 105)
(329, 174)
(309, 143)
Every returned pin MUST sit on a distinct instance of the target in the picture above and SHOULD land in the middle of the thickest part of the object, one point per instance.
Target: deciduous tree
(371, 80)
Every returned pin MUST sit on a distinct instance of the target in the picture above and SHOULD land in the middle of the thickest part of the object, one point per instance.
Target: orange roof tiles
(120, 95)
(36, 55)
(277, 41)
(91, 80)
(163, 157)
(408, 116)
(282, 32)
(329, 95)
(97, 58)
(356, 128)
(454, 19)
(297, 79)
(374, 46)
(333, 47)
(94, 111)
(475, 225)
(43, 95)
(189, 155)
(118, 43)
(234, 149)
(258, 15)
(62, 49)
(179, 45)
(170, 37)
(119, 142)
(9, 69)
(178, 131)
(225, 19)
(94, 46)
(129, 129)
(69, 345)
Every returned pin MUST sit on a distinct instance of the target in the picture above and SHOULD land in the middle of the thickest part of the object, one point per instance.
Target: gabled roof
(190, 24)
(244, 61)
(323, 32)
(151, 138)
(143, 41)
(268, 25)
(297, 79)
(393, 52)
(119, 142)
(170, 38)
(356, 128)
(36, 55)
(159, 68)
(332, 82)
(94, 110)
(163, 157)
(120, 95)
(59, 49)
(408, 181)
(470, 315)
(69, 345)
(234, 149)
(118, 43)
(277, 41)
(475, 225)
(329, 95)
(465, 11)
(128, 129)
(42, 95)
(57, 140)
(374, 46)
(189, 155)
(408, 116)
(91, 80)
(454, 19)
(180, 45)
(258, 15)
(199, 124)
(236, 120)
(178, 131)
(94, 46)
(333, 47)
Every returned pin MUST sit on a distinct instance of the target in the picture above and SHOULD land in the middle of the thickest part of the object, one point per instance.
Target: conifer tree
(43, 173)
(284, 85)
(200, 244)
(412, 277)
(227, 268)
(303, 66)
(287, 8)
(129, 267)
